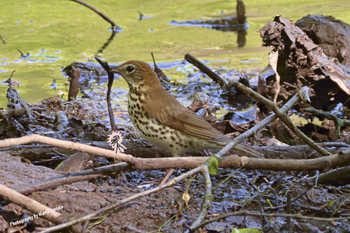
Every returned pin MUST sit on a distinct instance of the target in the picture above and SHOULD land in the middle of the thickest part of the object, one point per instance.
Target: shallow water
(56, 33)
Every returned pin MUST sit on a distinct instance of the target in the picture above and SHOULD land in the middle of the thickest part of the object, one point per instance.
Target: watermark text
(30, 218)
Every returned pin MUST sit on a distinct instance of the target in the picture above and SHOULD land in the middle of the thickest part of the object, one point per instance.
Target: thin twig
(114, 26)
(207, 198)
(289, 210)
(110, 83)
(248, 213)
(72, 178)
(126, 200)
(338, 123)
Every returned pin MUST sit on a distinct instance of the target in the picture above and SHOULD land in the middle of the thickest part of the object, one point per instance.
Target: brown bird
(160, 118)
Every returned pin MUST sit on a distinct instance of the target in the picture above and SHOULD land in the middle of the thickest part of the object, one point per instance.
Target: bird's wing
(170, 112)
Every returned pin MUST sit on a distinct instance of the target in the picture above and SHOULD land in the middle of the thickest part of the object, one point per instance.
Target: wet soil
(165, 211)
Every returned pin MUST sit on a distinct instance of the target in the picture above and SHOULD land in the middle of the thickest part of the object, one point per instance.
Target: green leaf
(329, 202)
(213, 165)
(246, 230)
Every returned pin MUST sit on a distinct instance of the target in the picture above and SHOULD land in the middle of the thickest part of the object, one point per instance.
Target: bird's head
(136, 73)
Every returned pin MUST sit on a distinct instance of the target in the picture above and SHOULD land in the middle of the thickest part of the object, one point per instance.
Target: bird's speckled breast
(159, 134)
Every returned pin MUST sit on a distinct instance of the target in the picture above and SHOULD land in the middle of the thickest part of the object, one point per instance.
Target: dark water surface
(56, 33)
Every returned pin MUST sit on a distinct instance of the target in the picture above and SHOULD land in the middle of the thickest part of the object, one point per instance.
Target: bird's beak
(116, 70)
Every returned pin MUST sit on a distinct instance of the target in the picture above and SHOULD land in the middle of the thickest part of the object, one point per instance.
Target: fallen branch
(233, 161)
(71, 178)
(339, 176)
(30, 204)
(68, 145)
(248, 213)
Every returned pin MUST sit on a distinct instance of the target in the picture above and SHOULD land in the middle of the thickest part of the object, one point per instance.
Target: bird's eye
(130, 68)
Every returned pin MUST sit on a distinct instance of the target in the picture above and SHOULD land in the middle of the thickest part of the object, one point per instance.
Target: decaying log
(301, 62)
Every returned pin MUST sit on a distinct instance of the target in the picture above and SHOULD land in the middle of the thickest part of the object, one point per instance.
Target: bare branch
(208, 197)
(30, 204)
(233, 161)
(114, 26)
(72, 178)
(247, 213)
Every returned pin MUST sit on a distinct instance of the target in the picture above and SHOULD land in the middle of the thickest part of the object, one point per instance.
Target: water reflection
(236, 23)
(142, 16)
(2, 40)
